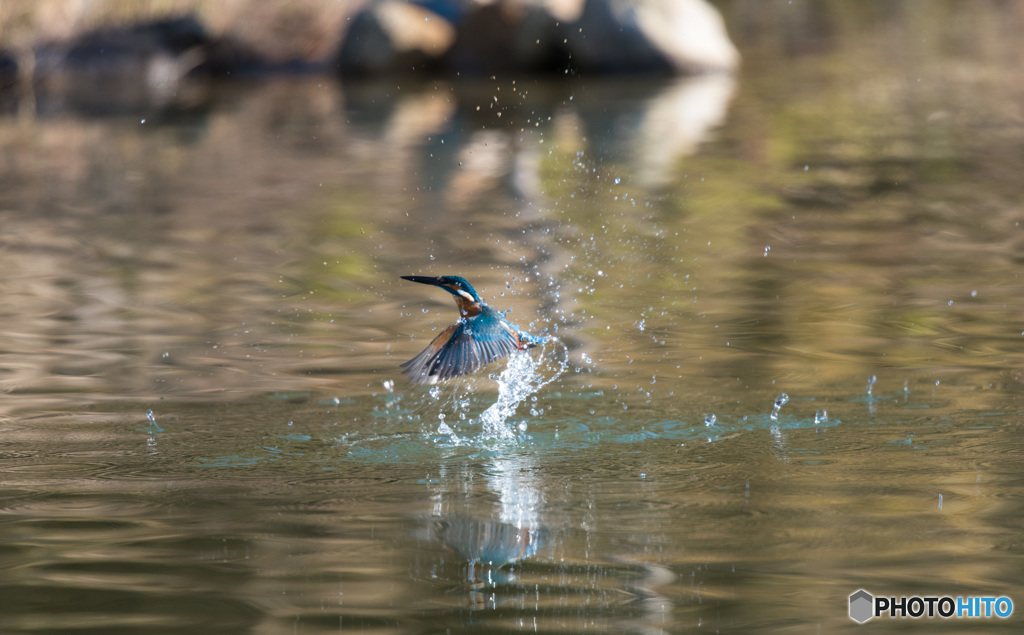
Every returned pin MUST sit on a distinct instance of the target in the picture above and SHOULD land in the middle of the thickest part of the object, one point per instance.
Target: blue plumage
(481, 336)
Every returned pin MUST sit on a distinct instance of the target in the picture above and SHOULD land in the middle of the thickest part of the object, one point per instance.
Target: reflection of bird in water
(482, 335)
(487, 546)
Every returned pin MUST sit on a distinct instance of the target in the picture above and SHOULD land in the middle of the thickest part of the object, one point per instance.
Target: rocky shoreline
(424, 38)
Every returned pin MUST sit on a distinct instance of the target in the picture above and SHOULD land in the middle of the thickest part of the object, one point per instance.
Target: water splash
(152, 430)
(522, 377)
(445, 430)
(871, 384)
(152, 427)
(779, 402)
(821, 417)
(710, 419)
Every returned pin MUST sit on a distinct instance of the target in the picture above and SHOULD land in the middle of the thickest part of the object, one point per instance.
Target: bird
(481, 336)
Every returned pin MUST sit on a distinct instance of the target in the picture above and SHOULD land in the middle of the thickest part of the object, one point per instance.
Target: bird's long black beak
(434, 280)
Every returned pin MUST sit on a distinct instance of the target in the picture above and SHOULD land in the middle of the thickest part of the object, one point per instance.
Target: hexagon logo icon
(861, 604)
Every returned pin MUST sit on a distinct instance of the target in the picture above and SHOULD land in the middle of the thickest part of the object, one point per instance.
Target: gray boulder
(114, 68)
(508, 36)
(393, 37)
(672, 36)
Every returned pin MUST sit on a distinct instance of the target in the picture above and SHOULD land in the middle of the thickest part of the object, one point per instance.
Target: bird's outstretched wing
(463, 348)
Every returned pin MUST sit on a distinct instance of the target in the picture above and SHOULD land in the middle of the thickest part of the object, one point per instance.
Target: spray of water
(780, 401)
(152, 427)
(523, 376)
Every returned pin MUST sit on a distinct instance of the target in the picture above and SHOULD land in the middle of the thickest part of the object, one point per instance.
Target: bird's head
(455, 285)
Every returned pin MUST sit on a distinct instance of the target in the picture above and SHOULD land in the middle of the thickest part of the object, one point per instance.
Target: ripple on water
(107, 508)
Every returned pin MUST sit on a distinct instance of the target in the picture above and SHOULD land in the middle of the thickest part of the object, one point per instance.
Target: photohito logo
(864, 606)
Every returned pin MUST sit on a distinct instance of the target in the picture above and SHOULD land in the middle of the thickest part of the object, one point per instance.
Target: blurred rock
(133, 65)
(508, 36)
(628, 36)
(8, 82)
(8, 76)
(451, 10)
(383, 38)
(8, 70)
(394, 37)
(290, 36)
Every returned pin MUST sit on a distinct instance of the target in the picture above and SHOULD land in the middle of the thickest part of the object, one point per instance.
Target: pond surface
(204, 427)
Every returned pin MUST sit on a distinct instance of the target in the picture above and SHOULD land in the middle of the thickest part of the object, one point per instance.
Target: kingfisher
(482, 335)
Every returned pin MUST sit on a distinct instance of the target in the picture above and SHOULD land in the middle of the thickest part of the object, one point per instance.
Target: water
(780, 401)
(205, 428)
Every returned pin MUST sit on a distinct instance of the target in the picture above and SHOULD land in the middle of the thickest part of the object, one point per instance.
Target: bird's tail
(529, 341)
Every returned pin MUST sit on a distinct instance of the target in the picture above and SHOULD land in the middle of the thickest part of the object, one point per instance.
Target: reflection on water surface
(699, 247)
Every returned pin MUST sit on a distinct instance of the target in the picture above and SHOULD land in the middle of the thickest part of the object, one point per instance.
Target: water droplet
(617, 180)
(821, 416)
(779, 402)
(165, 355)
(710, 419)
(389, 385)
(871, 384)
